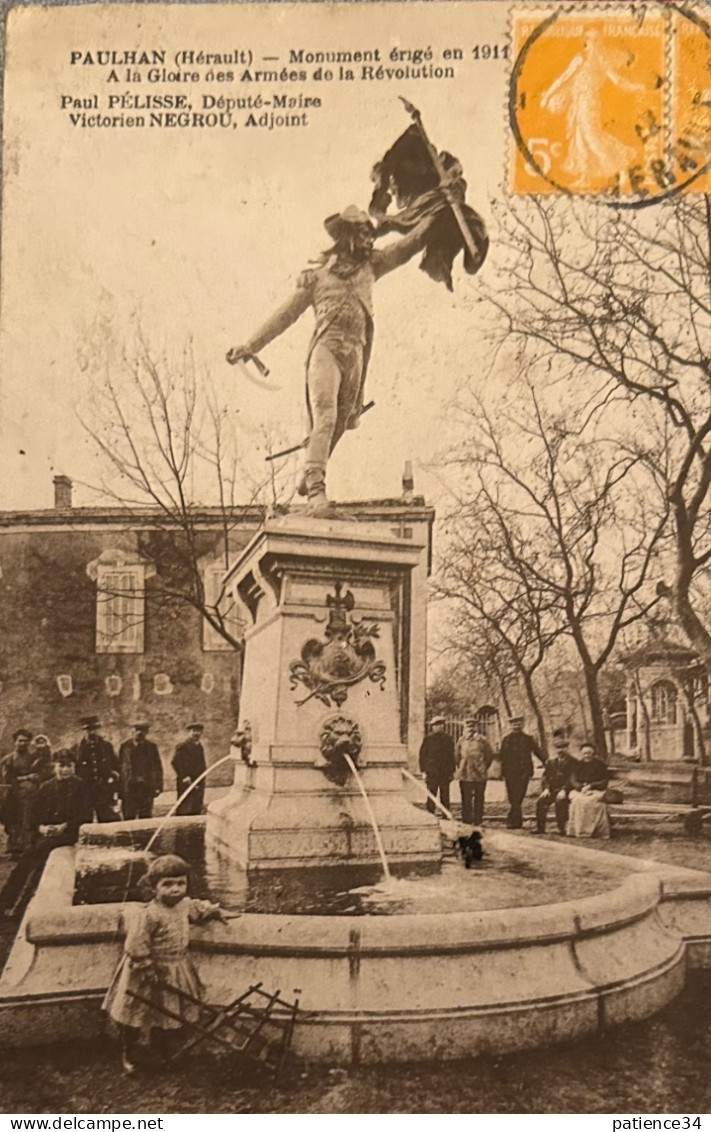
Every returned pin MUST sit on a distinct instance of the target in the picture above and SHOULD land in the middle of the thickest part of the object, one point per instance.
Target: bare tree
(173, 453)
(613, 309)
(450, 691)
(494, 670)
(553, 539)
(501, 624)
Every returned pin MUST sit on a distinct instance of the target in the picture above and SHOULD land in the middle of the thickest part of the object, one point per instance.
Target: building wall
(48, 607)
(48, 620)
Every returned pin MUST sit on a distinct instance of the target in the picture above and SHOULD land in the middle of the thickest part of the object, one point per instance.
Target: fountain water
(186, 793)
(487, 964)
(378, 839)
(418, 782)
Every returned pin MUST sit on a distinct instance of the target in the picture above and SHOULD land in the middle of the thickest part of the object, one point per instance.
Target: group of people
(575, 787)
(45, 797)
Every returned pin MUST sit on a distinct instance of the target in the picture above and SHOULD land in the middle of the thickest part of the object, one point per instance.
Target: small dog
(471, 848)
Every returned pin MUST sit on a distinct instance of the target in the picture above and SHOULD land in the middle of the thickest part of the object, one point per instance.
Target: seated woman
(587, 816)
(62, 804)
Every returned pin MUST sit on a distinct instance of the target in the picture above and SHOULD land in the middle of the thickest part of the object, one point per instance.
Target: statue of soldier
(340, 290)
(429, 189)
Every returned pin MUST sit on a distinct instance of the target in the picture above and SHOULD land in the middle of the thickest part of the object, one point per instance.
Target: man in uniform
(97, 765)
(437, 762)
(141, 773)
(517, 749)
(555, 783)
(188, 764)
(61, 806)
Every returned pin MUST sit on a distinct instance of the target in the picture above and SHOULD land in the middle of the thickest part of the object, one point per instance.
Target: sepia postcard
(355, 534)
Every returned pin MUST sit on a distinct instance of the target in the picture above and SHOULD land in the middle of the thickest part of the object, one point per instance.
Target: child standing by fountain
(156, 960)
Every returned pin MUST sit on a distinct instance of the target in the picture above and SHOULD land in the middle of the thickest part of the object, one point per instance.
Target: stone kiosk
(321, 682)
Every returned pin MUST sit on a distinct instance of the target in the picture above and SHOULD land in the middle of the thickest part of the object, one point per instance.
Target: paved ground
(660, 1065)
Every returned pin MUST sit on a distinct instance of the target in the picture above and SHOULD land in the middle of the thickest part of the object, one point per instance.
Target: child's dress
(161, 935)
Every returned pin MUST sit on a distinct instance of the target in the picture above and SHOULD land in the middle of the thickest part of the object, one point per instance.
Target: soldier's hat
(351, 217)
(437, 719)
(196, 727)
(89, 721)
(141, 725)
(515, 719)
(64, 757)
(21, 731)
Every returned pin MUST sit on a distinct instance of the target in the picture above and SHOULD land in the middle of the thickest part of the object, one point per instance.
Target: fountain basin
(400, 987)
(324, 828)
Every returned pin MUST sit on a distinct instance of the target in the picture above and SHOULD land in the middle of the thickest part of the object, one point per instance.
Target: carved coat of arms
(347, 656)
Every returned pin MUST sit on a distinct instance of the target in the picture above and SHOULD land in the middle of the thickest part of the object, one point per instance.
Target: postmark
(691, 71)
(610, 103)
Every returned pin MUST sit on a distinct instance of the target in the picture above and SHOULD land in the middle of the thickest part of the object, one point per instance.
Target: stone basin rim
(516, 1005)
(534, 924)
(607, 958)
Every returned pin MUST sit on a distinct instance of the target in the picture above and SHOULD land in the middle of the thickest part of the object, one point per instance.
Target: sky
(199, 233)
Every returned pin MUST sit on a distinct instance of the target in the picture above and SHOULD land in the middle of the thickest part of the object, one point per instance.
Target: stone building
(667, 703)
(94, 619)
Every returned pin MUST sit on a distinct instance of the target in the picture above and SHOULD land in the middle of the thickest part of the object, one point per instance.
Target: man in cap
(62, 805)
(97, 765)
(141, 773)
(188, 764)
(517, 749)
(474, 757)
(340, 290)
(556, 783)
(437, 762)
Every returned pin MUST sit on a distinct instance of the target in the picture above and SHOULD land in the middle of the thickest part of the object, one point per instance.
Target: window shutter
(212, 640)
(120, 609)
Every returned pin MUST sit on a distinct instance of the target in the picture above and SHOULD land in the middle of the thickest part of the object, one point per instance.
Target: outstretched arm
(395, 255)
(281, 320)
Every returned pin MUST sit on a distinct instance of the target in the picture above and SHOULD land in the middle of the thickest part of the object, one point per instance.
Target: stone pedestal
(325, 602)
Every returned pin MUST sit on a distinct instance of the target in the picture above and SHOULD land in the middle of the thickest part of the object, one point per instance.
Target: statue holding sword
(339, 287)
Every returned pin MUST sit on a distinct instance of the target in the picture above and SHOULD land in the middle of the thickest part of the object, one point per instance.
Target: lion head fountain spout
(340, 737)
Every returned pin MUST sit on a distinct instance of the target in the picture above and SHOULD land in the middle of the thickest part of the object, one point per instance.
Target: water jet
(544, 943)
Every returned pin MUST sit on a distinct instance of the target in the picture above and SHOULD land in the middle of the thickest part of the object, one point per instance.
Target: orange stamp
(691, 85)
(610, 102)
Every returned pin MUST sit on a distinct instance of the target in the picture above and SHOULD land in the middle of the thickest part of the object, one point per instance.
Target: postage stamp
(691, 82)
(610, 102)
